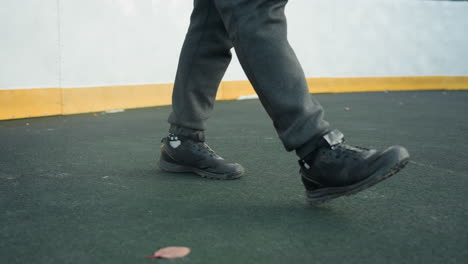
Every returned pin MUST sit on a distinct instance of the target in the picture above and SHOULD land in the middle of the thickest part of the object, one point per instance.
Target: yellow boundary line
(23, 103)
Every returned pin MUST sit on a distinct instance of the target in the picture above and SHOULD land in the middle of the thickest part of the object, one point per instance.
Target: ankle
(311, 147)
(187, 133)
(328, 140)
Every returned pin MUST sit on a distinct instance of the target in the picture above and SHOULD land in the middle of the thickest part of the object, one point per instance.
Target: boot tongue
(330, 141)
(334, 138)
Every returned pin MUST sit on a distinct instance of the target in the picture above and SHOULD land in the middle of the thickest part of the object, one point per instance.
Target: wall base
(24, 103)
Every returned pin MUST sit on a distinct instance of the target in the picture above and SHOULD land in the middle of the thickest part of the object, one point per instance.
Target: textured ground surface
(85, 188)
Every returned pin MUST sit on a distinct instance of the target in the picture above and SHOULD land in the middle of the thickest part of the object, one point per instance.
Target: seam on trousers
(247, 64)
(196, 51)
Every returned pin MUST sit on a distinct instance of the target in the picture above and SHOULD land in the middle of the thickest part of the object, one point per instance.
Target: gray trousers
(257, 30)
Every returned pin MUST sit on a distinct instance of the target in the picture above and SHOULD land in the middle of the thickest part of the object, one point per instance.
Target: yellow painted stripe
(374, 84)
(24, 103)
(234, 89)
(94, 99)
(230, 90)
(20, 103)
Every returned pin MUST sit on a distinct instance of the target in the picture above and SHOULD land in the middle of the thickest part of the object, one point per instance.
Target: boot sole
(320, 196)
(177, 168)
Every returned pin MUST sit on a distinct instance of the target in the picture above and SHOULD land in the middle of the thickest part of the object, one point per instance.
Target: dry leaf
(171, 252)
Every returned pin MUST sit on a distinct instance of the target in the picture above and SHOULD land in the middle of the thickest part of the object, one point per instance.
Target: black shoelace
(347, 151)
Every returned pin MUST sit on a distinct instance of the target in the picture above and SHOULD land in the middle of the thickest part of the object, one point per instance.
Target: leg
(329, 168)
(259, 34)
(203, 61)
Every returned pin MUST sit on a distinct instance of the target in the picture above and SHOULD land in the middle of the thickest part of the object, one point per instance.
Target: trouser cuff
(312, 145)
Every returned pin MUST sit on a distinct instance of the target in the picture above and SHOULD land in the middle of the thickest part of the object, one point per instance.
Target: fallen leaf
(170, 252)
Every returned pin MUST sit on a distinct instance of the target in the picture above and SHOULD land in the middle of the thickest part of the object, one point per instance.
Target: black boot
(337, 169)
(182, 154)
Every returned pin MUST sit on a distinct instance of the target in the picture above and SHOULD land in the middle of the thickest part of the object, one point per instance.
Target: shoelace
(348, 148)
(203, 147)
(348, 151)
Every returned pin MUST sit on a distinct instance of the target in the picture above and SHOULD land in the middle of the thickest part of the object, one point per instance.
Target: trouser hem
(311, 145)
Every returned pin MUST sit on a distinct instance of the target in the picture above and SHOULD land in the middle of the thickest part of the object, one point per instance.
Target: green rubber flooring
(86, 188)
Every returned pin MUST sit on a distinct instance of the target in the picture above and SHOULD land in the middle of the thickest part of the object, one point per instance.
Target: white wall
(121, 41)
(29, 51)
(342, 38)
(70, 43)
